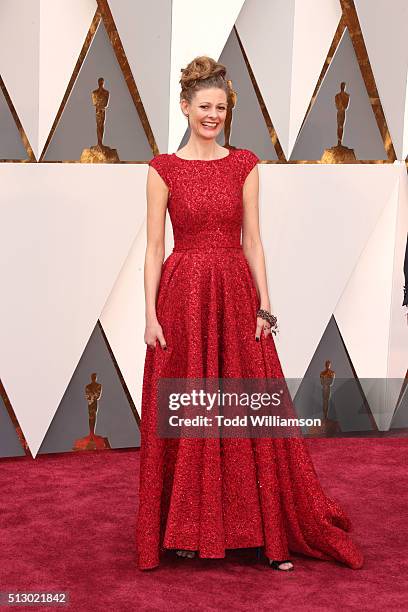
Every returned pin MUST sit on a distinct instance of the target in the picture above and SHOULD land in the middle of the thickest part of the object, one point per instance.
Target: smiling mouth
(209, 125)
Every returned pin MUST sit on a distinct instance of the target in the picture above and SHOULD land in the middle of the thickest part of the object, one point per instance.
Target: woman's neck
(201, 150)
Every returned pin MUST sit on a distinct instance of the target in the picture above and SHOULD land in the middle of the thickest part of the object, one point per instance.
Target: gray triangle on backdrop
(347, 404)
(10, 445)
(76, 129)
(114, 417)
(400, 418)
(248, 127)
(11, 146)
(319, 130)
(138, 37)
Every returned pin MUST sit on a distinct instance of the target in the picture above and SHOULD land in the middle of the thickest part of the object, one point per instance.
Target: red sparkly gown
(213, 494)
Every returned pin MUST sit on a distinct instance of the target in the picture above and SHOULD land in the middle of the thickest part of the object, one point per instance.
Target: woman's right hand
(154, 331)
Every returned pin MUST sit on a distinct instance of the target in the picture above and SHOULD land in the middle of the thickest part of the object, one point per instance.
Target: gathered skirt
(214, 494)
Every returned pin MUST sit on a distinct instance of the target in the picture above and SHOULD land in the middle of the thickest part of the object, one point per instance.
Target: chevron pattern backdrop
(73, 234)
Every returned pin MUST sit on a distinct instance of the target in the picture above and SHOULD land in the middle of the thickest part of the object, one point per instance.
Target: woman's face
(207, 112)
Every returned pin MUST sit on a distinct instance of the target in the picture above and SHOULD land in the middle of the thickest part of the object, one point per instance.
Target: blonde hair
(201, 73)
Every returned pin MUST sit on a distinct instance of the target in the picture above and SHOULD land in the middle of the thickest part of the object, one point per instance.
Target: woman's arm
(252, 244)
(157, 195)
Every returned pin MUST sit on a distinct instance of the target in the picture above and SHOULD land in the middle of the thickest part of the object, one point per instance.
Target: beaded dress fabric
(214, 494)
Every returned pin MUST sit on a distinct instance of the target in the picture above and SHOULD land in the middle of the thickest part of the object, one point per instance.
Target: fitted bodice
(205, 198)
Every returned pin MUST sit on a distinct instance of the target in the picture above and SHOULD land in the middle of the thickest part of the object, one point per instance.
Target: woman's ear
(184, 107)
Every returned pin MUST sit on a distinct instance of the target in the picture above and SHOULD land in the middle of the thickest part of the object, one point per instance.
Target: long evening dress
(208, 494)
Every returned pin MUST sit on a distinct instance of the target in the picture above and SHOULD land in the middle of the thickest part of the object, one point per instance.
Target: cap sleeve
(248, 161)
(160, 164)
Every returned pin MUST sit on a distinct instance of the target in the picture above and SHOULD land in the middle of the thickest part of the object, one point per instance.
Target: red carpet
(67, 524)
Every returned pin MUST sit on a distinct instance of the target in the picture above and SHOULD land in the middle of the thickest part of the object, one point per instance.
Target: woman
(208, 315)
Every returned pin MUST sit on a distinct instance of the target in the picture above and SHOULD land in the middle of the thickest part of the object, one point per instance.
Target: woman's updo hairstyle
(201, 73)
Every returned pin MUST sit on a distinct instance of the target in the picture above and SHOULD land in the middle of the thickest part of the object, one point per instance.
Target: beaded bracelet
(272, 319)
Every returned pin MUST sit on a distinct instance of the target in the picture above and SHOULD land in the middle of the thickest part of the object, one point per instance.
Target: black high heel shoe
(274, 564)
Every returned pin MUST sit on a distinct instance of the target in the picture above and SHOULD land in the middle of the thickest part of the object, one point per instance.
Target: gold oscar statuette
(340, 154)
(93, 392)
(328, 426)
(231, 102)
(100, 153)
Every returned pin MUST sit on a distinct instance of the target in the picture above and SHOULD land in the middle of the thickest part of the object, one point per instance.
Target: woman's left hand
(262, 326)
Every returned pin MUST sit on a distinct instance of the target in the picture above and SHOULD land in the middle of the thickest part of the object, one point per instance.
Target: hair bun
(202, 72)
(200, 68)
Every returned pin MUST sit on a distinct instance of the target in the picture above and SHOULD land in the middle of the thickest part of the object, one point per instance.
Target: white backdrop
(73, 235)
